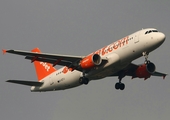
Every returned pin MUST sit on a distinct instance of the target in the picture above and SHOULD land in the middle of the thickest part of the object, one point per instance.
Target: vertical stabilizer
(43, 69)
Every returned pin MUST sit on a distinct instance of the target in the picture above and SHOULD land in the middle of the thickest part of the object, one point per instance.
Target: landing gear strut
(145, 54)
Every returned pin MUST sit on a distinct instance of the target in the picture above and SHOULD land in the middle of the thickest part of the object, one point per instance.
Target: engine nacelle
(90, 61)
(145, 70)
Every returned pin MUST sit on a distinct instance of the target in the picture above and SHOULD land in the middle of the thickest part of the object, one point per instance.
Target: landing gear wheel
(81, 80)
(84, 80)
(117, 86)
(120, 86)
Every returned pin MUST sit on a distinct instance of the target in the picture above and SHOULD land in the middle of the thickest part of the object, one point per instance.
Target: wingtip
(4, 51)
(164, 76)
(8, 81)
(37, 50)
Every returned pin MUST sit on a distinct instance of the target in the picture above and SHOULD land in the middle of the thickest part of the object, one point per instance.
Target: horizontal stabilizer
(29, 83)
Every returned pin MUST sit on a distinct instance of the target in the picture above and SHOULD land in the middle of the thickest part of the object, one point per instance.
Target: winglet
(4, 51)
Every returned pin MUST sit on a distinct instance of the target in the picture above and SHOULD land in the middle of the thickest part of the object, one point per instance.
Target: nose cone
(161, 37)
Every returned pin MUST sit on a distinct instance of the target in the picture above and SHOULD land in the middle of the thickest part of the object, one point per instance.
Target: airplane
(112, 60)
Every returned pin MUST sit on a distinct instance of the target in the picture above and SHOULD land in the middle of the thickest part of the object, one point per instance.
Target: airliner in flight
(112, 60)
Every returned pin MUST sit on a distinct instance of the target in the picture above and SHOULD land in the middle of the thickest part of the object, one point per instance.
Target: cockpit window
(154, 31)
(147, 32)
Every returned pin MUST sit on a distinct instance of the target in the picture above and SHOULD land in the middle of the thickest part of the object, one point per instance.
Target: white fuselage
(119, 54)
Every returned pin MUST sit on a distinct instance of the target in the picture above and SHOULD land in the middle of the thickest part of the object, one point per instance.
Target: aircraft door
(51, 82)
(136, 37)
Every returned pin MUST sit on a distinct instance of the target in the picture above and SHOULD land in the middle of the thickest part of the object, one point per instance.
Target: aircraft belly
(106, 72)
(72, 79)
(69, 80)
(60, 82)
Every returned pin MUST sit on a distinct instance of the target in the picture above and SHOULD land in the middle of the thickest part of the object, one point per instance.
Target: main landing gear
(120, 85)
(84, 80)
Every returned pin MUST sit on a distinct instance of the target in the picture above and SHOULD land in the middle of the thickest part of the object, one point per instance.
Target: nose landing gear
(145, 54)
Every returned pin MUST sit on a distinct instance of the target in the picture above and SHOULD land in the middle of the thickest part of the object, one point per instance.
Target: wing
(29, 83)
(131, 69)
(65, 60)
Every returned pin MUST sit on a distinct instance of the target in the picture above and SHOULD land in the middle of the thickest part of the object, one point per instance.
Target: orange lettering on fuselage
(110, 49)
(103, 51)
(65, 70)
(115, 45)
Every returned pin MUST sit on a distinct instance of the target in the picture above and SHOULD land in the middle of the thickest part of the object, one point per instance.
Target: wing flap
(28, 83)
(52, 61)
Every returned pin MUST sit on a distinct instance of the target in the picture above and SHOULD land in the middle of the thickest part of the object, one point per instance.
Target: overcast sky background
(78, 27)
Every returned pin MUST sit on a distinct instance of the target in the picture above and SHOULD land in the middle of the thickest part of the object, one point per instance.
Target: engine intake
(151, 67)
(90, 61)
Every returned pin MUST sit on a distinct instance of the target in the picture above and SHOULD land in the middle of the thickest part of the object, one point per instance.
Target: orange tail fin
(43, 69)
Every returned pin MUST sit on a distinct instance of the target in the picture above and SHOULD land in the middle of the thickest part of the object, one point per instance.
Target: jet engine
(90, 61)
(145, 70)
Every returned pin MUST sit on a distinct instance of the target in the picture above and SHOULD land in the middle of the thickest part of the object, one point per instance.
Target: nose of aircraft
(161, 37)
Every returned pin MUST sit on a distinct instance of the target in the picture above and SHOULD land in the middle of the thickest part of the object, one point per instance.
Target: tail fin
(43, 69)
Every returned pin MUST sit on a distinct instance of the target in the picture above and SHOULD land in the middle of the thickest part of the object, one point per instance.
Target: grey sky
(78, 27)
